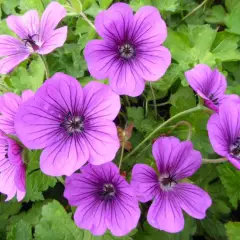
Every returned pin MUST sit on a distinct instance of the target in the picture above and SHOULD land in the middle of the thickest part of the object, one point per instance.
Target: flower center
(108, 191)
(235, 148)
(73, 124)
(127, 51)
(6, 150)
(30, 41)
(213, 99)
(167, 182)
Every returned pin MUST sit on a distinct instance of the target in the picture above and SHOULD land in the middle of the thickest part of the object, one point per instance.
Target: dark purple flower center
(73, 124)
(213, 99)
(29, 40)
(235, 148)
(6, 150)
(108, 191)
(167, 182)
(127, 51)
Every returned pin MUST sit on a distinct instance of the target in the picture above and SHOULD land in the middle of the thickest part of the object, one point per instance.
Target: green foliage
(37, 182)
(230, 178)
(233, 230)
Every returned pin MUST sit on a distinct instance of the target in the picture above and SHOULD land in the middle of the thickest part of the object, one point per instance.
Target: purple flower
(35, 36)
(175, 161)
(12, 169)
(224, 131)
(130, 52)
(72, 125)
(208, 84)
(9, 105)
(104, 199)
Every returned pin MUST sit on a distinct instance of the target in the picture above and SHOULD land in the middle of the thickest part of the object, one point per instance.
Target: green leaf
(136, 114)
(20, 231)
(233, 20)
(136, 4)
(37, 182)
(216, 15)
(56, 224)
(230, 178)
(166, 5)
(9, 7)
(233, 230)
(28, 77)
(38, 5)
(231, 4)
(104, 4)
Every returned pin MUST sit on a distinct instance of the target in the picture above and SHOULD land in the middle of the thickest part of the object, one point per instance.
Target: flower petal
(125, 79)
(27, 94)
(38, 121)
(100, 56)
(26, 25)
(178, 159)
(153, 62)
(52, 15)
(113, 24)
(20, 178)
(100, 102)
(102, 140)
(192, 199)
(64, 157)
(123, 214)
(149, 27)
(55, 40)
(145, 182)
(165, 213)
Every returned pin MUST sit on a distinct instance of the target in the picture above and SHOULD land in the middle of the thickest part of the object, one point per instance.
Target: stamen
(213, 99)
(167, 182)
(108, 191)
(127, 51)
(235, 148)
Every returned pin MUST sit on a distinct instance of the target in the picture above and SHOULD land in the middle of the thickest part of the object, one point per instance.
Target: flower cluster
(74, 126)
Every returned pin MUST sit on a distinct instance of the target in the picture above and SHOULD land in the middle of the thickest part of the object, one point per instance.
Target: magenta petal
(55, 39)
(234, 161)
(9, 104)
(144, 182)
(13, 51)
(175, 158)
(165, 213)
(149, 28)
(64, 157)
(113, 23)
(100, 102)
(26, 25)
(192, 199)
(27, 94)
(126, 80)
(153, 62)
(102, 141)
(20, 178)
(100, 57)
(52, 15)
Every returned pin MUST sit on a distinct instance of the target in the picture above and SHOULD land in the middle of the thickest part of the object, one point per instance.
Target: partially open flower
(35, 36)
(12, 169)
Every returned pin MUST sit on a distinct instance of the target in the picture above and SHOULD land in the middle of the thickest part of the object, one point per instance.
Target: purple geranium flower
(104, 199)
(208, 84)
(175, 161)
(72, 125)
(224, 131)
(35, 36)
(12, 169)
(9, 104)
(130, 52)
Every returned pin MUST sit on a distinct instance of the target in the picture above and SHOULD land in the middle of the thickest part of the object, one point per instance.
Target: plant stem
(191, 110)
(160, 104)
(194, 10)
(61, 180)
(127, 100)
(45, 66)
(87, 20)
(186, 124)
(154, 101)
(122, 151)
(219, 160)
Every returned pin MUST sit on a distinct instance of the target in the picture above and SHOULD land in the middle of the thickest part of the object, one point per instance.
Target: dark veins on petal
(235, 148)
